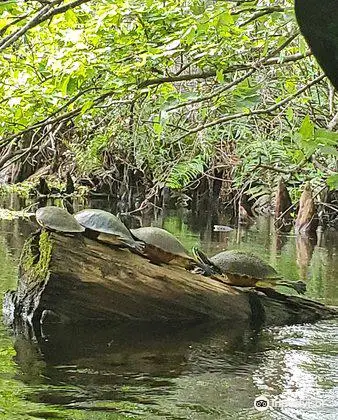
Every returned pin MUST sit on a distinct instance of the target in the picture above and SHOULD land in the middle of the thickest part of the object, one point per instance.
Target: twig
(260, 13)
(332, 124)
(249, 113)
(44, 14)
(212, 95)
(212, 73)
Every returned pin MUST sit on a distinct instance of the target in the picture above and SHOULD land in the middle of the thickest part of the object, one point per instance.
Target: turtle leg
(271, 293)
(135, 246)
(299, 286)
(197, 267)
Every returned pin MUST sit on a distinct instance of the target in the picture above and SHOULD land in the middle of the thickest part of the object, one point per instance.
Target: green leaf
(64, 85)
(307, 129)
(73, 85)
(326, 137)
(289, 114)
(184, 172)
(190, 35)
(220, 76)
(157, 126)
(71, 18)
(87, 105)
(328, 150)
(332, 182)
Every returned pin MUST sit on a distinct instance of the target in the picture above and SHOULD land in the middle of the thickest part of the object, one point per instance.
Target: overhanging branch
(249, 113)
(212, 73)
(45, 13)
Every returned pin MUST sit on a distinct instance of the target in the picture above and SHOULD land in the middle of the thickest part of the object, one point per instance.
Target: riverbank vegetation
(206, 97)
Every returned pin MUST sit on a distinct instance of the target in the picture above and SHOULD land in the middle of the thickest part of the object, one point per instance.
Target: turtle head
(199, 255)
(204, 263)
(300, 287)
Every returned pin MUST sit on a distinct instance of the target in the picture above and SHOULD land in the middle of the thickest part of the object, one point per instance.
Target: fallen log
(76, 279)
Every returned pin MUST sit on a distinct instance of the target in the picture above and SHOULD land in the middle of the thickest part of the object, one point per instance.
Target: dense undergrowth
(159, 94)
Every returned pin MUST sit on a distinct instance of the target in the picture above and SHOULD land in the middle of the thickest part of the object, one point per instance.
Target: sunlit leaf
(220, 76)
(307, 129)
(332, 181)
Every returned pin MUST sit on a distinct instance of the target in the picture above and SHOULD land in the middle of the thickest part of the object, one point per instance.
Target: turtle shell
(107, 227)
(244, 269)
(161, 245)
(57, 219)
(244, 264)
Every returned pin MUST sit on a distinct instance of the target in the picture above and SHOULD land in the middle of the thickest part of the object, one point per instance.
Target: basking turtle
(106, 227)
(245, 270)
(162, 247)
(57, 219)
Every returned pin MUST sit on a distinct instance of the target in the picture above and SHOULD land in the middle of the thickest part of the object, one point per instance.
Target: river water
(199, 372)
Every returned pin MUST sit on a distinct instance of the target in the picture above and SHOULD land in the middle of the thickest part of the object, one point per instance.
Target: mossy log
(76, 279)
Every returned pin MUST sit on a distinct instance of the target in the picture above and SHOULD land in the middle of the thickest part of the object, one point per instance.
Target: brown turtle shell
(161, 246)
(57, 219)
(106, 227)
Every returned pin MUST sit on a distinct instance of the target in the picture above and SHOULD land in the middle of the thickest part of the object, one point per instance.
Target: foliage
(12, 214)
(21, 189)
(156, 85)
(183, 172)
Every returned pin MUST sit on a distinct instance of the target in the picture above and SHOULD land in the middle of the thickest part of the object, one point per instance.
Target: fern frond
(184, 172)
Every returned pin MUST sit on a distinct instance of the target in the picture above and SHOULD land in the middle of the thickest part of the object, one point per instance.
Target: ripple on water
(200, 376)
(301, 374)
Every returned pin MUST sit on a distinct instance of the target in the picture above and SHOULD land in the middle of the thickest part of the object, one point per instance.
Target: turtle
(57, 219)
(108, 228)
(244, 269)
(162, 247)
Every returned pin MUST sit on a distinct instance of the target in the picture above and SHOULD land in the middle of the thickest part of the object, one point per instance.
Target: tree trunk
(283, 207)
(307, 219)
(76, 279)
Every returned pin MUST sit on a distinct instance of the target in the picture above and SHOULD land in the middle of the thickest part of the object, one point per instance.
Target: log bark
(283, 207)
(307, 218)
(76, 279)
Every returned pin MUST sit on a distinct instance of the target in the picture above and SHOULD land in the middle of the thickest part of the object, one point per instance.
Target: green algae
(36, 256)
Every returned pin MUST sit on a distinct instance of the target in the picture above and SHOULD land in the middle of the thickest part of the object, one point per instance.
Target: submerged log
(76, 279)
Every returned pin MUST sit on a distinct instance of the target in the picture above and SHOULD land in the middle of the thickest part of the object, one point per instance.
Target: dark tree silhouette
(318, 22)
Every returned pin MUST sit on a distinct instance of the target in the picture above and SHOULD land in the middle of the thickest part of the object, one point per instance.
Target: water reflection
(192, 372)
(301, 375)
(133, 354)
(201, 371)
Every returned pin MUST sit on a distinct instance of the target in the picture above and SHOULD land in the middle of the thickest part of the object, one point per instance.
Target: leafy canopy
(170, 87)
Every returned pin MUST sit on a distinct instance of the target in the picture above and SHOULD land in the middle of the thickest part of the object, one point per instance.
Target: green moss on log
(36, 255)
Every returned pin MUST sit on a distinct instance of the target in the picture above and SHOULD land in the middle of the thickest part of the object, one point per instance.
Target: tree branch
(17, 20)
(212, 95)
(251, 113)
(45, 13)
(212, 73)
(261, 63)
(63, 117)
(262, 12)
